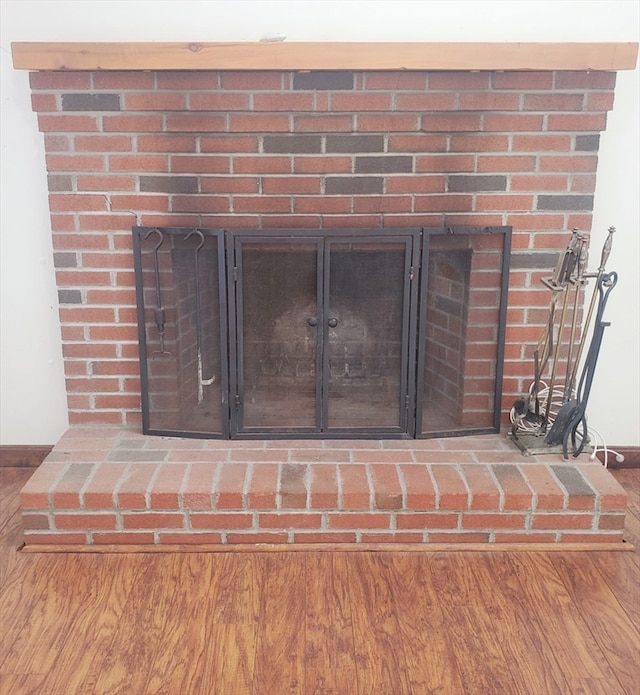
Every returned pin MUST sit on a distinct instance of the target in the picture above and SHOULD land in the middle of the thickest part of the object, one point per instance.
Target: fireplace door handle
(333, 322)
(312, 321)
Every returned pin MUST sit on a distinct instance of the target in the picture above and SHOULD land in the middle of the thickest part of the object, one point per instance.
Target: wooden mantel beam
(324, 56)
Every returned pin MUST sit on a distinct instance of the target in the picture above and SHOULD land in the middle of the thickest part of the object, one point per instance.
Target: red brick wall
(305, 150)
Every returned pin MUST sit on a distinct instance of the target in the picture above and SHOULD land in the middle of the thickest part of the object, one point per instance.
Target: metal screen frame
(229, 279)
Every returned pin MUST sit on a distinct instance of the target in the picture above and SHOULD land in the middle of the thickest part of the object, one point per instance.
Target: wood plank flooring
(340, 623)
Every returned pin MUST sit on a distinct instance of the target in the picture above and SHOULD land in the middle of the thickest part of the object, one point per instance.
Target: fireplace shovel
(572, 413)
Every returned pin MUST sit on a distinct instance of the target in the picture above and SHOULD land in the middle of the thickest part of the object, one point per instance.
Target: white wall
(32, 398)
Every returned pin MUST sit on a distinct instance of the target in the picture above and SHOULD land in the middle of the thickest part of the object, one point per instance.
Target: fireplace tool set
(554, 413)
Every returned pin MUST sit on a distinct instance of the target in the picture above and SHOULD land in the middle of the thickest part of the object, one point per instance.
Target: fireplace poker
(202, 382)
(159, 311)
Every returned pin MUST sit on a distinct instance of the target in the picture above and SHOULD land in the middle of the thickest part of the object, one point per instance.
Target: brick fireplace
(306, 150)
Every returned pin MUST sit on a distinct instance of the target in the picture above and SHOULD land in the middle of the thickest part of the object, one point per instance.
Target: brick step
(113, 486)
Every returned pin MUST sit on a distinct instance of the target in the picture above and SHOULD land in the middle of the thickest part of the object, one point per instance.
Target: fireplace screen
(366, 333)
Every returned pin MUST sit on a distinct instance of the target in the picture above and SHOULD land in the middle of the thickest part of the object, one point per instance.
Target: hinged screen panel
(182, 324)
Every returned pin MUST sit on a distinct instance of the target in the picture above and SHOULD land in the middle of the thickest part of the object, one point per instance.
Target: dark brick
(587, 143)
(319, 79)
(353, 184)
(565, 202)
(543, 260)
(65, 259)
(292, 143)
(91, 102)
(573, 481)
(70, 296)
(384, 165)
(448, 306)
(468, 184)
(355, 143)
(168, 184)
(59, 183)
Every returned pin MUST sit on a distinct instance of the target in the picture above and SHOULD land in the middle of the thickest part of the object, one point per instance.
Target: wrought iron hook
(200, 235)
(155, 230)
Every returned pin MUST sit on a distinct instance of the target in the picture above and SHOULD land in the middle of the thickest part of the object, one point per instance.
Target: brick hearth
(115, 486)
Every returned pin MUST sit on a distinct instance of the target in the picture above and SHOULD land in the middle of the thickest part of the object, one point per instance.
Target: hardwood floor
(345, 623)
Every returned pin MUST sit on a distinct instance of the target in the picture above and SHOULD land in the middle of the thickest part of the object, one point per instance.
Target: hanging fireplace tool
(159, 311)
(202, 382)
(552, 413)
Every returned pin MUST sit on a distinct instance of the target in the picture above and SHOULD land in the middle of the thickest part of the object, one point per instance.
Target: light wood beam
(324, 56)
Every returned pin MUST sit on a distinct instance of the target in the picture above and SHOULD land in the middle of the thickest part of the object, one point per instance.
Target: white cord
(604, 447)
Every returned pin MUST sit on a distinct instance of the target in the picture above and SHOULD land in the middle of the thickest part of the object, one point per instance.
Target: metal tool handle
(606, 249)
